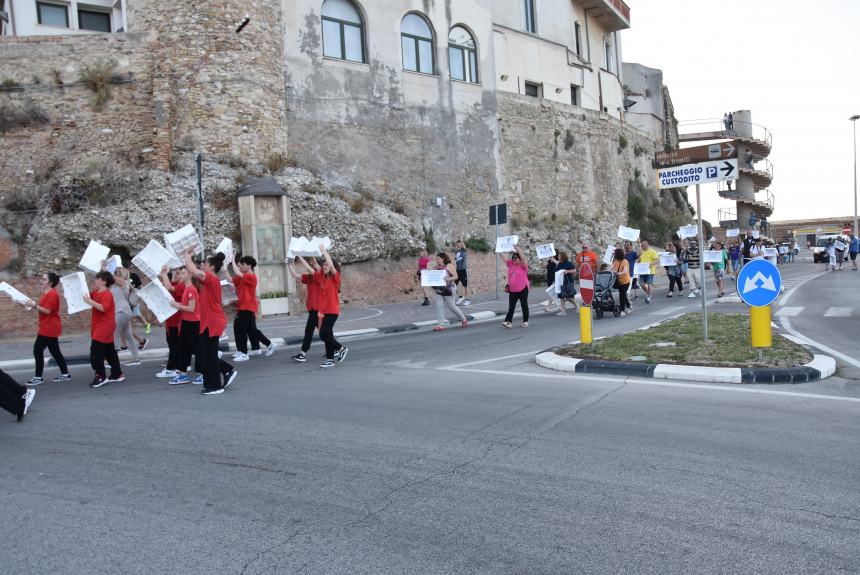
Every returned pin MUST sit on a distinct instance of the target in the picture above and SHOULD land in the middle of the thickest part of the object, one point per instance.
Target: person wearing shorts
(647, 255)
(719, 268)
(462, 273)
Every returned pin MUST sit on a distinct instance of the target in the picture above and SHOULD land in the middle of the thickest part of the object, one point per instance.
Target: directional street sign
(702, 173)
(721, 151)
(759, 283)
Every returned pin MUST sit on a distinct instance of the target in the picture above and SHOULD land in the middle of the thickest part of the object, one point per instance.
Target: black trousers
(99, 352)
(245, 328)
(173, 349)
(11, 394)
(327, 335)
(53, 346)
(675, 280)
(622, 296)
(212, 368)
(310, 326)
(188, 338)
(513, 298)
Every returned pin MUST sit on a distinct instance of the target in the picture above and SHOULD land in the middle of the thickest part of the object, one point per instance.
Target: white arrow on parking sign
(766, 283)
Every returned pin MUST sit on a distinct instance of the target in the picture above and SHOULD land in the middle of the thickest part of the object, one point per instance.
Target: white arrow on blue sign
(759, 283)
(701, 173)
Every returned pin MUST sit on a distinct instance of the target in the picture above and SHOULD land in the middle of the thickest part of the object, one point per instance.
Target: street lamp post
(854, 123)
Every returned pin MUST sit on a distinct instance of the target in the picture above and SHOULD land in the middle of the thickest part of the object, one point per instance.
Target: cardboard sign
(688, 231)
(307, 248)
(839, 246)
(667, 259)
(93, 257)
(642, 269)
(506, 244)
(607, 255)
(559, 280)
(433, 278)
(158, 300)
(733, 233)
(74, 290)
(713, 256)
(545, 251)
(16, 296)
(628, 233)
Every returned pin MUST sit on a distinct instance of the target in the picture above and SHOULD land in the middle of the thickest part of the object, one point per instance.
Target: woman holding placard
(50, 328)
(102, 331)
(621, 267)
(518, 286)
(446, 292)
(567, 290)
(674, 270)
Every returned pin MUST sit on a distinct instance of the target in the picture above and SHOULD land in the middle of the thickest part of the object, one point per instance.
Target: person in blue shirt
(630, 255)
(853, 248)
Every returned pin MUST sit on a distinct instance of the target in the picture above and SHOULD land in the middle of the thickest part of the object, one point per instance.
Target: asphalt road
(436, 453)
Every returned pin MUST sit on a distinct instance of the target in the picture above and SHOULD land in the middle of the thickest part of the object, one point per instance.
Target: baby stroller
(603, 298)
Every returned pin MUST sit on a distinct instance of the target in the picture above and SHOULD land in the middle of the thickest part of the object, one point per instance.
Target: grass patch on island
(729, 344)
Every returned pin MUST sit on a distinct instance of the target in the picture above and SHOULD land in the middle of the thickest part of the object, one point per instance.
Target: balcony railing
(756, 131)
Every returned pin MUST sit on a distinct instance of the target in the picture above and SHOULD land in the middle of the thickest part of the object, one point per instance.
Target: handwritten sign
(16, 296)
(182, 239)
(157, 299)
(688, 231)
(94, 256)
(733, 233)
(642, 269)
(713, 256)
(433, 278)
(307, 248)
(667, 259)
(152, 258)
(839, 246)
(74, 290)
(607, 255)
(546, 251)
(506, 244)
(630, 234)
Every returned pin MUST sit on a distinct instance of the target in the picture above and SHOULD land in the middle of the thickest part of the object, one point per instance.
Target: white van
(819, 251)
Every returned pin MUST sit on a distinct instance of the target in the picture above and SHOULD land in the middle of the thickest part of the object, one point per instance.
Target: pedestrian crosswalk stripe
(839, 312)
(667, 310)
(789, 311)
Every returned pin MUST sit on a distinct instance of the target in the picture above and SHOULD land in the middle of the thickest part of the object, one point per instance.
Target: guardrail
(757, 131)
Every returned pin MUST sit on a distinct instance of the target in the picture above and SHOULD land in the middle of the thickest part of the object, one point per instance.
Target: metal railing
(727, 215)
(758, 132)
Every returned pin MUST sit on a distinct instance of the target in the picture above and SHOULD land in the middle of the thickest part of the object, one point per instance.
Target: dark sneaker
(230, 378)
(300, 357)
(143, 345)
(327, 363)
(216, 391)
(36, 381)
(98, 381)
(340, 355)
(63, 377)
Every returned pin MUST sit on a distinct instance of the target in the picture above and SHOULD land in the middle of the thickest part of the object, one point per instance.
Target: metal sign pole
(494, 249)
(702, 264)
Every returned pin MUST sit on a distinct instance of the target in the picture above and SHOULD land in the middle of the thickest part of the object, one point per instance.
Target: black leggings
(188, 336)
(675, 280)
(513, 298)
(99, 351)
(212, 367)
(327, 335)
(622, 296)
(11, 394)
(310, 326)
(53, 346)
(245, 328)
(173, 349)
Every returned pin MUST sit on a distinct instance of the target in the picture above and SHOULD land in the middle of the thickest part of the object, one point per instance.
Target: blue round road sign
(759, 283)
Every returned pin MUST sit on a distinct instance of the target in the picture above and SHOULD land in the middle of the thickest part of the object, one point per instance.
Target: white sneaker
(255, 352)
(466, 302)
(28, 399)
(164, 373)
(271, 349)
(692, 295)
(239, 356)
(459, 301)
(562, 312)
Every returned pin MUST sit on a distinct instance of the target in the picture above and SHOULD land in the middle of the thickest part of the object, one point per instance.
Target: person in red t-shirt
(212, 324)
(328, 284)
(245, 324)
(50, 328)
(189, 331)
(102, 331)
(312, 303)
(172, 325)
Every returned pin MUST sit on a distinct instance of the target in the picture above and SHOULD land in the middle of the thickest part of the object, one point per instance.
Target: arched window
(462, 55)
(416, 41)
(343, 31)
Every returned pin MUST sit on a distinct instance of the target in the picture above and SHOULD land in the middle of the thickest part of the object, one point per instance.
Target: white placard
(688, 231)
(607, 255)
(226, 248)
(839, 246)
(559, 281)
(640, 269)
(506, 244)
(733, 233)
(433, 278)
(154, 257)
(304, 247)
(16, 296)
(755, 234)
(157, 299)
(770, 252)
(545, 251)
(182, 239)
(94, 256)
(713, 256)
(113, 262)
(228, 293)
(631, 234)
(667, 259)
(74, 290)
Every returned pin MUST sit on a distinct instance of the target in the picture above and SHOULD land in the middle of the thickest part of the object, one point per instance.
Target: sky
(792, 63)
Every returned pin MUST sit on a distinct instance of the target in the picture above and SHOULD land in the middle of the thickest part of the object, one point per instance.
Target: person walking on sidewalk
(328, 283)
(621, 267)
(311, 303)
(550, 265)
(587, 256)
(630, 255)
(691, 258)
(423, 262)
(123, 304)
(102, 331)
(674, 271)
(172, 325)
(462, 273)
(14, 397)
(719, 269)
(245, 324)
(189, 328)
(567, 292)
(445, 294)
(50, 329)
(518, 286)
(853, 249)
(647, 255)
(217, 373)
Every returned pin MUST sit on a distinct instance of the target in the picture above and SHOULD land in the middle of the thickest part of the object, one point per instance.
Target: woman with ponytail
(245, 324)
(328, 285)
(102, 331)
(50, 328)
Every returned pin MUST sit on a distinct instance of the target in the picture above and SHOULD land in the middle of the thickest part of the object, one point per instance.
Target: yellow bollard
(585, 324)
(760, 326)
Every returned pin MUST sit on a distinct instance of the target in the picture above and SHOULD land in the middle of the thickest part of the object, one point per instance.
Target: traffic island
(674, 349)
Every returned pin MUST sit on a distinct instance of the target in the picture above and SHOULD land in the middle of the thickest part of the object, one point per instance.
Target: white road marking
(789, 311)
(839, 312)
(786, 325)
(666, 310)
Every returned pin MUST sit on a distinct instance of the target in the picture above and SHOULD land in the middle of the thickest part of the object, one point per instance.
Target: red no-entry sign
(846, 229)
(586, 283)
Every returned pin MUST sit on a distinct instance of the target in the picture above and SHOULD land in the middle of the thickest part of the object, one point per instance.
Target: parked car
(819, 250)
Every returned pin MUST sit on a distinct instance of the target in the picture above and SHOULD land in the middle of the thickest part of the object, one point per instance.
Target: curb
(821, 367)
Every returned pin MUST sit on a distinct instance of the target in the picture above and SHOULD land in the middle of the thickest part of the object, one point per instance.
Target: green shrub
(478, 244)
